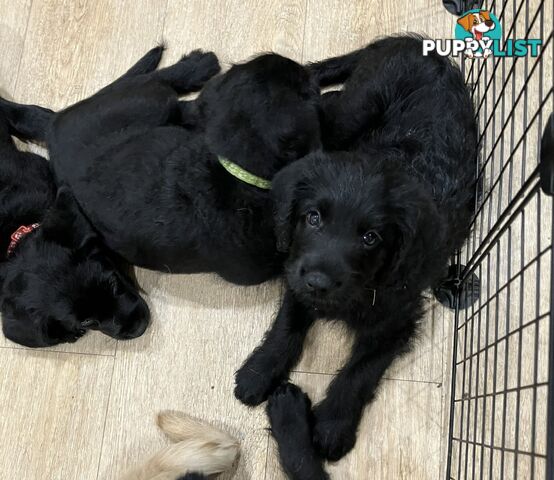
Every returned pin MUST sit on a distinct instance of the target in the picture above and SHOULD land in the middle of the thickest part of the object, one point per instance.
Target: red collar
(19, 234)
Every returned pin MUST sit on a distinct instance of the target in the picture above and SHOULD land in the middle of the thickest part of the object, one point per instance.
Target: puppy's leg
(27, 122)
(148, 63)
(289, 411)
(347, 115)
(338, 415)
(335, 70)
(190, 73)
(188, 114)
(272, 361)
(6, 141)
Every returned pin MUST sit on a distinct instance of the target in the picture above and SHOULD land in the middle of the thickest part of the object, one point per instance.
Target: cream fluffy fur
(198, 448)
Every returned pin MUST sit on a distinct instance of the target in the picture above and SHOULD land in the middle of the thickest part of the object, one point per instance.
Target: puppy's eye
(371, 238)
(313, 218)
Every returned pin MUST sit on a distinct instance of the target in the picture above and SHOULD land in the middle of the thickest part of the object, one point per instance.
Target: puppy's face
(269, 104)
(349, 227)
(59, 284)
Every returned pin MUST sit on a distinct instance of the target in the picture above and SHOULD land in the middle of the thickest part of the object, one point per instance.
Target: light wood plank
(235, 30)
(74, 48)
(203, 329)
(53, 408)
(13, 26)
(334, 27)
(94, 343)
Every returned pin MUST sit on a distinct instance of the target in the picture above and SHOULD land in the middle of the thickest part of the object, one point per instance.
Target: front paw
(289, 410)
(333, 434)
(253, 384)
(204, 65)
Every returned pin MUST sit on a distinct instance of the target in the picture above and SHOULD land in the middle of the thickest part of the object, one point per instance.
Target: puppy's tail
(336, 69)
(199, 449)
(26, 122)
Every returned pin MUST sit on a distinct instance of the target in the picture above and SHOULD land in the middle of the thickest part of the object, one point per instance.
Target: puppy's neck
(245, 149)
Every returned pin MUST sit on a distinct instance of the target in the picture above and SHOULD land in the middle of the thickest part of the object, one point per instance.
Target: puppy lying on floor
(183, 186)
(370, 224)
(198, 450)
(56, 279)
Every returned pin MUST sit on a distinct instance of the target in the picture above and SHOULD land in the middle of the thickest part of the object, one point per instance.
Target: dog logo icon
(478, 34)
(480, 25)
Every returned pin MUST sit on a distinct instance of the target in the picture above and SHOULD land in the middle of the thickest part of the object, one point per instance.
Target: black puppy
(56, 279)
(289, 411)
(369, 229)
(183, 186)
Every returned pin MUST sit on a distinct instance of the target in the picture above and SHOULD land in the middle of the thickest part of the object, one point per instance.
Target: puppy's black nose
(489, 23)
(318, 282)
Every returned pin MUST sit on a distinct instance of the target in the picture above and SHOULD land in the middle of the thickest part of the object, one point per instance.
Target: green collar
(243, 175)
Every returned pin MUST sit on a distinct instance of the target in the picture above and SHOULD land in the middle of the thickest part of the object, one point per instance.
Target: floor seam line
(304, 30)
(266, 454)
(431, 382)
(23, 49)
(106, 415)
(89, 354)
(163, 21)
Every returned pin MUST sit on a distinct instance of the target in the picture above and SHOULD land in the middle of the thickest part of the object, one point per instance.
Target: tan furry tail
(199, 448)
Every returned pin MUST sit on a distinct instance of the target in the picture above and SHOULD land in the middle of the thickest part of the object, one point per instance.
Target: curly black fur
(370, 223)
(59, 281)
(144, 166)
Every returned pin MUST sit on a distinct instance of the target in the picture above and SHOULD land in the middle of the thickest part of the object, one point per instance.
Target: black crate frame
(492, 252)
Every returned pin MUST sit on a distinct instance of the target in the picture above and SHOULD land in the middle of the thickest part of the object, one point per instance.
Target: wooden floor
(85, 411)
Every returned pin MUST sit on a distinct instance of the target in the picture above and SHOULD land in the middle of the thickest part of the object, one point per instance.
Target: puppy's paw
(333, 436)
(253, 385)
(290, 414)
(204, 65)
(288, 408)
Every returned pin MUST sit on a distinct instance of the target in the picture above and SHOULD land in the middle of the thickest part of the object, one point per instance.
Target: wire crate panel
(502, 343)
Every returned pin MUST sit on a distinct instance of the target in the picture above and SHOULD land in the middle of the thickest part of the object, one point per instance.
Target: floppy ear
(420, 225)
(31, 328)
(486, 14)
(284, 191)
(65, 224)
(466, 21)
